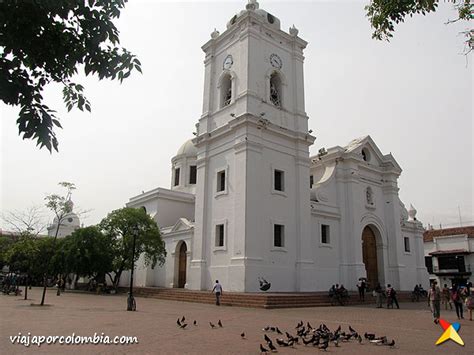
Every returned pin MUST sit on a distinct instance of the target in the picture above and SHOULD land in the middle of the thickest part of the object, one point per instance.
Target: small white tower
(69, 223)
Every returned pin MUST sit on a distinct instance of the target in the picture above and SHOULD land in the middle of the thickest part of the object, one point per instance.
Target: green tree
(21, 258)
(5, 244)
(43, 42)
(88, 252)
(384, 14)
(120, 225)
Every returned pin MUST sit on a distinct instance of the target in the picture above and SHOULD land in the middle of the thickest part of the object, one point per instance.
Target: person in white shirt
(218, 290)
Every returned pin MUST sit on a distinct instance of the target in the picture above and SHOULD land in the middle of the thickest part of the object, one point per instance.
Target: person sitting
(332, 291)
(416, 293)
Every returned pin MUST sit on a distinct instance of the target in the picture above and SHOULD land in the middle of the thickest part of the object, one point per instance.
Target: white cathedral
(247, 200)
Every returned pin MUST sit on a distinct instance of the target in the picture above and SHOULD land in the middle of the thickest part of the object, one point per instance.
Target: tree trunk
(118, 274)
(44, 290)
(26, 288)
(47, 263)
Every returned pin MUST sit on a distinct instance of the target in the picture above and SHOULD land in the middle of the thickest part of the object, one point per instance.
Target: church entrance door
(182, 265)
(369, 256)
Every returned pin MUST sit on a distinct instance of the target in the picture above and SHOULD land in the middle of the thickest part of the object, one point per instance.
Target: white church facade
(248, 201)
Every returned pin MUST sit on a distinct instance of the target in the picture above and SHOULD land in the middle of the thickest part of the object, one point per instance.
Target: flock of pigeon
(320, 337)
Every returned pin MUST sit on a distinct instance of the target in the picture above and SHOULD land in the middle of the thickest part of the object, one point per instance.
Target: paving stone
(154, 323)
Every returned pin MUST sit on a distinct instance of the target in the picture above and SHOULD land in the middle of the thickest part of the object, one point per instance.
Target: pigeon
(309, 326)
(281, 342)
(338, 329)
(352, 329)
(183, 325)
(263, 350)
(183, 319)
(219, 323)
(324, 346)
(212, 325)
(195, 323)
(369, 336)
(379, 340)
(273, 329)
(178, 323)
(300, 324)
(278, 331)
(336, 342)
(391, 344)
(266, 329)
(307, 342)
(267, 339)
(272, 347)
(242, 335)
(359, 339)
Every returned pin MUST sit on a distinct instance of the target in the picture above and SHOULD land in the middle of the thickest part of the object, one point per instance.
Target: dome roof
(188, 149)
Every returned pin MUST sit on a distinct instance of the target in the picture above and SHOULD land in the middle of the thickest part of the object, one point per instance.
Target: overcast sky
(412, 95)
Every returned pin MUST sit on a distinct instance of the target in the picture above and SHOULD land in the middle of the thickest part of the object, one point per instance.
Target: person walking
(378, 295)
(361, 287)
(470, 301)
(446, 298)
(218, 291)
(434, 301)
(457, 300)
(391, 297)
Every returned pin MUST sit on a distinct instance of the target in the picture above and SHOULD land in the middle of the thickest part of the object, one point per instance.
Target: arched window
(226, 90)
(365, 154)
(275, 89)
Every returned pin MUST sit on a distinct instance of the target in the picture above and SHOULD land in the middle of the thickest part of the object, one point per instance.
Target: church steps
(253, 300)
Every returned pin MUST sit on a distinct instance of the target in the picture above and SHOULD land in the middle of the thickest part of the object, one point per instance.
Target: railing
(437, 269)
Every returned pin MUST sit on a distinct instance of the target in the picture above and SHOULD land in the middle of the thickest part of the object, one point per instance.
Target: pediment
(370, 152)
(183, 224)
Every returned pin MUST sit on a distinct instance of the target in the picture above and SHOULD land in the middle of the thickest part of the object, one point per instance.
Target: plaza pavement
(154, 323)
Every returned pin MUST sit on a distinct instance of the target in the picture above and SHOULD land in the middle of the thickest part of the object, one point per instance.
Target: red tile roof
(448, 232)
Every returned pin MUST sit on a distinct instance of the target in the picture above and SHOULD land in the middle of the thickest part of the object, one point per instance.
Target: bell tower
(252, 214)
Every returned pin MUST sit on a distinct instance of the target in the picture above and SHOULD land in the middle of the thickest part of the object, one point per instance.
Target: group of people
(418, 292)
(338, 293)
(457, 295)
(11, 284)
(389, 293)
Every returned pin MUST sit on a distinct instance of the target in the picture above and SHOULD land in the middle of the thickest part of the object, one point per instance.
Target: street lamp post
(131, 304)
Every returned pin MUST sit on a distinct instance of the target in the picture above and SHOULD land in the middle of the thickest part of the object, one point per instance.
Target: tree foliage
(43, 42)
(88, 252)
(384, 14)
(120, 226)
(34, 256)
(5, 244)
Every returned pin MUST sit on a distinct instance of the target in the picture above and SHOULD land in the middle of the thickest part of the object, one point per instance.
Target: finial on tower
(252, 5)
(293, 31)
(215, 34)
(411, 213)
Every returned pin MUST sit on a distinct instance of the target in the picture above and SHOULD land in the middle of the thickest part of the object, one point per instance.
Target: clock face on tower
(228, 61)
(276, 61)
